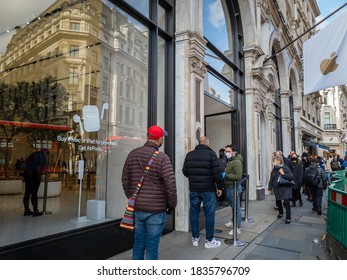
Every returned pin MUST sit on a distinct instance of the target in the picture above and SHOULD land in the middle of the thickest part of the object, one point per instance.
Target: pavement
(265, 236)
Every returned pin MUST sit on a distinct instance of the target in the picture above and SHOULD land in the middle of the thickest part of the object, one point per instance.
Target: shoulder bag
(282, 181)
(128, 218)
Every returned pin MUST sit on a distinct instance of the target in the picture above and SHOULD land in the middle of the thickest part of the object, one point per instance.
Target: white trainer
(212, 244)
(232, 231)
(229, 224)
(195, 241)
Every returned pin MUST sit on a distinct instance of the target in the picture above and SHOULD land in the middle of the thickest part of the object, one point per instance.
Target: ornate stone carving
(264, 9)
(197, 66)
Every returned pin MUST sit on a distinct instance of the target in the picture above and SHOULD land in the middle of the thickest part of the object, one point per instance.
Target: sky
(328, 6)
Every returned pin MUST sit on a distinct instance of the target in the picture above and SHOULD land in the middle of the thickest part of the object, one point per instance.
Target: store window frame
(156, 31)
(238, 83)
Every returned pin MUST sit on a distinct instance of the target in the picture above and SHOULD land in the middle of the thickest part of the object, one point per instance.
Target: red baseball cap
(156, 132)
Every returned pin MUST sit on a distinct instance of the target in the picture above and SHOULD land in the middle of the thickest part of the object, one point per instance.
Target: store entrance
(218, 127)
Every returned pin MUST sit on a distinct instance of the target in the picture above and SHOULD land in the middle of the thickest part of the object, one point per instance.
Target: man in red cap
(158, 192)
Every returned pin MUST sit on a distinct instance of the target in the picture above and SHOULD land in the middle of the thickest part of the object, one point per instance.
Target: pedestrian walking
(202, 168)
(158, 192)
(316, 181)
(282, 192)
(298, 177)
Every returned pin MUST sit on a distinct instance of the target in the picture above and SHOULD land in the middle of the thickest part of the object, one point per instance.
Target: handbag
(128, 217)
(282, 181)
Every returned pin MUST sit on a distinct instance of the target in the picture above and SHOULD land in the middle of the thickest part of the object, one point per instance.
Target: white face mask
(228, 155)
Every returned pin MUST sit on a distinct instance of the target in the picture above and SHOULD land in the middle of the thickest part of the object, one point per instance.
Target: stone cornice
(286, 93)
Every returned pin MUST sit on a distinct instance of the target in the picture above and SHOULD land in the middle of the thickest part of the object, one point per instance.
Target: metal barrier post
(246, 219)
(45, 189)
(235, 242)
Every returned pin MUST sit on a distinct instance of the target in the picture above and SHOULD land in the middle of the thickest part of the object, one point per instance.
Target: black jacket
(298, 174)
(203, 170)
(281, 192)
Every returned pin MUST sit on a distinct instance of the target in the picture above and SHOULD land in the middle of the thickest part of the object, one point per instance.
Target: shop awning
(319, 146)
(36, 125)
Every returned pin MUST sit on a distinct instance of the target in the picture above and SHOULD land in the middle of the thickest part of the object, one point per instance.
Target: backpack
(335, 165)
(311, 177)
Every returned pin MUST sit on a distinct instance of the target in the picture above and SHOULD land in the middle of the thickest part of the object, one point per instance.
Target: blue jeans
(230, 196)
(327, 175)
(148, 229)
(209, 205)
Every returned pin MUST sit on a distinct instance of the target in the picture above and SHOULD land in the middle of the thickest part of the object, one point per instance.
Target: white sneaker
(212, 244)
(229, 224)
(232, 231)
(195, 241)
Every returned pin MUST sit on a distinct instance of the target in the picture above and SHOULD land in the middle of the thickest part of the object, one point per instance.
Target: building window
(326, 118)
(74, 51)
(105, 62)
(104, 86)
(94, 57)
(75, 26)
(73, 75)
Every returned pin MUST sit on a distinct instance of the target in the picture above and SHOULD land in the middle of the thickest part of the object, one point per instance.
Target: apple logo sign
(329, 64)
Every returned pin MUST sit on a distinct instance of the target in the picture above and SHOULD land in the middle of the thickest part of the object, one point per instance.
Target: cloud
(216, 14)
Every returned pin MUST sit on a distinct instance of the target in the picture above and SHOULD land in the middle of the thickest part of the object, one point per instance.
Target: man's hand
(219, 192)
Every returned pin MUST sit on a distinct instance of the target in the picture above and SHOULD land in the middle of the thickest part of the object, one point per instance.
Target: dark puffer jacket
(203, 170)
(159, 186)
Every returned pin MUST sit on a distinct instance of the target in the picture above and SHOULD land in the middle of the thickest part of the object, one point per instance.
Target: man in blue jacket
(204, 172)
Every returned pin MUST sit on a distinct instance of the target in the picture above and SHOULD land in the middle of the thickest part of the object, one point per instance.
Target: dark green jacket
(233, 170)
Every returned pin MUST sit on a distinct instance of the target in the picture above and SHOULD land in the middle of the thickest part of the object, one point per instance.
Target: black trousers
(296, 194)
(286, 204)
(32, 183)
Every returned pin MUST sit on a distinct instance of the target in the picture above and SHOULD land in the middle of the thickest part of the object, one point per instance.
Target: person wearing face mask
(233, 172)
(298, 174)
(282, 193)
(158, 192)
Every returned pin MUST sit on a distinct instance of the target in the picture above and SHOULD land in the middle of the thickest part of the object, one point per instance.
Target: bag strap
(139, 184)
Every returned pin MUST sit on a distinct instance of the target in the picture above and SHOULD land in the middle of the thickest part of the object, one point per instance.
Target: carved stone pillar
(190, 70)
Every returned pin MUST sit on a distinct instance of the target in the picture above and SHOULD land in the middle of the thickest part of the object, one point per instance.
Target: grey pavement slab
(267, 238)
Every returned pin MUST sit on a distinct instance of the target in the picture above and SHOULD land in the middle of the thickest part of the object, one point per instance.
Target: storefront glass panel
(74, 81)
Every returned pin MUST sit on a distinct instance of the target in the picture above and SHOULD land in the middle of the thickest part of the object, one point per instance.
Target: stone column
(189, 104)
(285, 94)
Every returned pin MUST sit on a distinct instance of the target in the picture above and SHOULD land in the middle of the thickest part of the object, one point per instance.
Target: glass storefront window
(82, 97)
(218, 64)
(217, 28)
(219, 90)
(161, 17)
(142, 5)
(161, 83)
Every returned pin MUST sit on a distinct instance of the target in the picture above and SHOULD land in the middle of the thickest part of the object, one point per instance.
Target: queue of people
(311, 175)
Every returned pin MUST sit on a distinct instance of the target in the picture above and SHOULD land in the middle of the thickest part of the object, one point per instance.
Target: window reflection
(161, 83)
(80, 89)
(142, 5)
(219, 65)
(219, 90)
(161, 17)
(217, 27)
